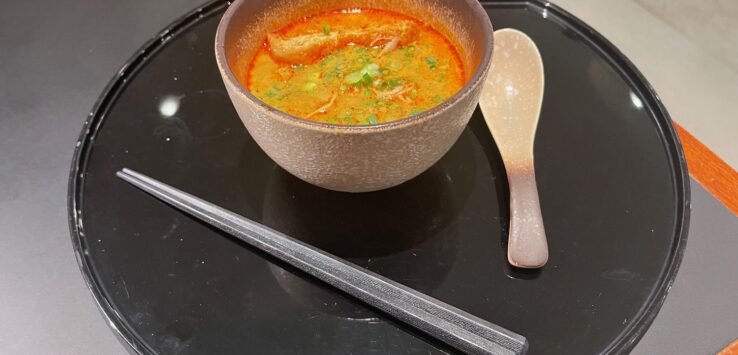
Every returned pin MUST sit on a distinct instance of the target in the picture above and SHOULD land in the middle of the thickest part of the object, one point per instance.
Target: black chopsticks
(446, 323)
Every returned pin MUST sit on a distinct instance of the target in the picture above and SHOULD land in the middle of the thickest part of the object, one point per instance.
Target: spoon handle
(527, 246)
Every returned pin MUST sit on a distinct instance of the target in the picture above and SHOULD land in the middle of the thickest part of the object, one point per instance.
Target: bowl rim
(474, 81)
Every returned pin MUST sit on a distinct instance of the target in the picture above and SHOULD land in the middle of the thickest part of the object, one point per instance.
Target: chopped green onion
(431, 62)
(309, 86)
(394, 82)
(326, 59)
(326, 29)
(415, 111)
(372, 69)
(364, 75)
(354, 77)
(373, 119)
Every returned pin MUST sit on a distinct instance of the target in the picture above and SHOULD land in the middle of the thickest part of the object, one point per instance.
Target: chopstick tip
(126, 174)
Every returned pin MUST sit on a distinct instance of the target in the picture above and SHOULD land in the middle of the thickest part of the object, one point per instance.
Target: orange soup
(355, 67)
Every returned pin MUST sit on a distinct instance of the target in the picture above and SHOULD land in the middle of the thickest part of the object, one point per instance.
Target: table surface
(56, 58)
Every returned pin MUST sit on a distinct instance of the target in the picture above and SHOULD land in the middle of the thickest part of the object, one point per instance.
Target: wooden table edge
(731, 349)
(714, 174)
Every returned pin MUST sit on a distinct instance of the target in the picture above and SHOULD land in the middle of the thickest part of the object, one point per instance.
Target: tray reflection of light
(636, 100)
(169, 106)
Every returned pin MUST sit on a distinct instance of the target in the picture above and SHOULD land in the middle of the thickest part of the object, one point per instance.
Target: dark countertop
(56, 58)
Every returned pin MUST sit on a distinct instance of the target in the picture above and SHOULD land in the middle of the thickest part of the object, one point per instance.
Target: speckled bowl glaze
(355, 158)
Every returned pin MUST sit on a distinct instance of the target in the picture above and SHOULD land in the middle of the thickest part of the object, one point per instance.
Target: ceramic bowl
(355, 158)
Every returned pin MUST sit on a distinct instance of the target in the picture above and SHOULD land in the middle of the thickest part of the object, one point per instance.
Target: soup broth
(354, 67)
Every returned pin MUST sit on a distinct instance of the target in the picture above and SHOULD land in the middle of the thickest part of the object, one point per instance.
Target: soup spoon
(511, 104)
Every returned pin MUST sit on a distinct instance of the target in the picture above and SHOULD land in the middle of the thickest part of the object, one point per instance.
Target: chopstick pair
(444, 322)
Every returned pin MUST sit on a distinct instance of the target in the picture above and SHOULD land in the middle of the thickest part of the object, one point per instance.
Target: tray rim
(625, 342)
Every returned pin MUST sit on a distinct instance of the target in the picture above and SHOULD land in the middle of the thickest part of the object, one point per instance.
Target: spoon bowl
(511, 104)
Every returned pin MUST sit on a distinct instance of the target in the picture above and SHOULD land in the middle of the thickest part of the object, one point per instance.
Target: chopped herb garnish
(431, 62)
(363, 76)
(326, 59)
(274, 91)
(394, 82)
(373, 119)
(326, 29)
(415, 111)
(354, 78)
(410, 52)
(372, 69)
(309, 87)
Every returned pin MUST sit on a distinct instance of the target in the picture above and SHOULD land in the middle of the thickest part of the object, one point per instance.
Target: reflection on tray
(405, 233)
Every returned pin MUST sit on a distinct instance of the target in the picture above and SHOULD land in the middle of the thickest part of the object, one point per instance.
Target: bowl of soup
(357, 95)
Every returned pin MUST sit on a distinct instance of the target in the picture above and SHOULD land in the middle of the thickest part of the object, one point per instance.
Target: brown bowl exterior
(354, 158)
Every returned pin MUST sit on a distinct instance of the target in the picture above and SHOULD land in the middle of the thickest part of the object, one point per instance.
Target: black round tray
(611, 173)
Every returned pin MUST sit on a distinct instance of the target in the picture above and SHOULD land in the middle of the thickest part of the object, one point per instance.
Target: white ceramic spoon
(511, 103)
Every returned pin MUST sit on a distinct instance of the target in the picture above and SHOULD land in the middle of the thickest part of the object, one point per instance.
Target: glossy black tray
(612, 178)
